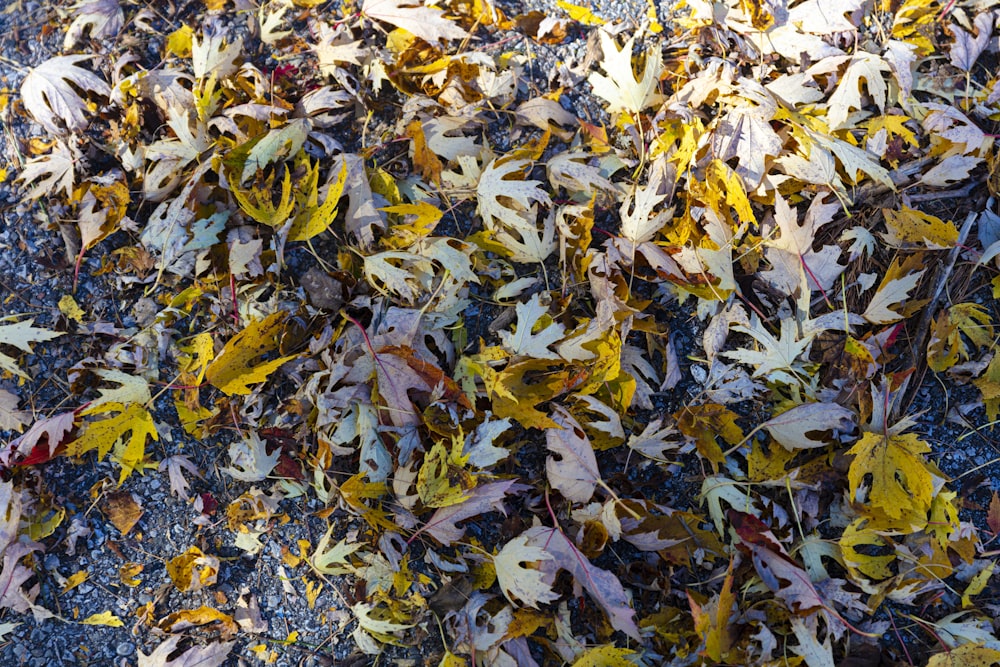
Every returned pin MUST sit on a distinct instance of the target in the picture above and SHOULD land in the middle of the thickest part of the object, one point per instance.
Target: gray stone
(125, 648)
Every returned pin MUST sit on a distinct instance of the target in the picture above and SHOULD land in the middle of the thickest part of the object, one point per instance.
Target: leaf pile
(430, 295)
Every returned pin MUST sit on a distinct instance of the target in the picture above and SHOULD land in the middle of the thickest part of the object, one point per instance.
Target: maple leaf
(619, 85)
(213, 55)
(909, 227)
(443, 480)
(863, 66)
(50, 93)
(333, 559)
(796, 268)
(745, 133)
(175, 466)
(525, 340)
(250, 460)
(603, 586)
(520, 584)
(104, 618)
(777, 358)
(426, 23)
(11, 419)
(946, 344)
(101, 18)
(574, 473)
(57, 168)
(21, 335)
(103, 434)
(13, 576)
(54, 429)
(484, 498)
(801, 426)
(507, 207)
(212, 655)
(901, 482)
(239, 364)
(897, 283)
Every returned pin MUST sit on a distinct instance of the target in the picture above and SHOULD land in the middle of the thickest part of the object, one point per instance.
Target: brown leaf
(122, 510)
(993, 515)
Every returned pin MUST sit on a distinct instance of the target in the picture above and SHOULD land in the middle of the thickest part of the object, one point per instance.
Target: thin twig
(928, 315)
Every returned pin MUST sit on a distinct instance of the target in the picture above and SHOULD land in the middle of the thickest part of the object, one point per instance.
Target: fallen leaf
(103, 618)
(212, 655)
(193, 570)
(122, 510)
(803, 426)
(50, 93)
(240, 363)
(424, 22)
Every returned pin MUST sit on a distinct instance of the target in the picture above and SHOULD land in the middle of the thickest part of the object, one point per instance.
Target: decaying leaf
(193, 570)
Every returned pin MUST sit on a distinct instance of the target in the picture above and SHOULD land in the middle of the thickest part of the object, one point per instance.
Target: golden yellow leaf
(908, 227)
(703, 423)
(947, 345)
(866, 553)
(104, 434)
(69, 307)
(977, 584)
(452, 660)
(179, 42)
(900, 480)
(127, 574)
(104, 618)
(189, 618)
(193, 570)
(584, 15)
(258, 203)
(314, 219)
(442, 480)
(74, 580)
(239, 364)
(966, 655)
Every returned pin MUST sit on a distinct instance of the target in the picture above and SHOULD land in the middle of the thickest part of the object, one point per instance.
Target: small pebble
(125, 648)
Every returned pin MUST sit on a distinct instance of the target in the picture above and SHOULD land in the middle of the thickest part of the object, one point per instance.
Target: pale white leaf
(523, 584)
(103, 18)
(49, 95)
(426, 23)
(795, 428)
(618, 85)
(175, 466)
(21, 335)
(572, 466)
(212, 655)
(524, 340)
(891, 293)
(250, 460)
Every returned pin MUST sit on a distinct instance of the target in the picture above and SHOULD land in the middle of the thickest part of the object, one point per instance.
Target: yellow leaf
(69, 308)
(977, 584)
(703, 423)
(582, 14)
(452, 660)
(122, 510)
(189, 618)
(988, 385)
(234, 370)
(711, 620)
(193, 570)
(604, 656)
(75, 580)
(314, 220)
(901, 482)
(966, 655)
(442, 481)
(424, 218)
(908, 227)
(104, 618)
(127, 574)
(258, 203)
(104, 434)
(198, 353)
(44, 522)
(873, 558)
(179, 42)
(947, 346)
